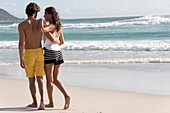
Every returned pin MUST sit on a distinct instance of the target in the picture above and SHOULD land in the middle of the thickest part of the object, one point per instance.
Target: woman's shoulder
(60, 31)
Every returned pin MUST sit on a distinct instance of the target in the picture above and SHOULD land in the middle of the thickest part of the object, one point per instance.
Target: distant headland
(5, 16)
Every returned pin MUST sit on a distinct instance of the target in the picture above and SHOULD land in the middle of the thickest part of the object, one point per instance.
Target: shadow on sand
(28, 109)
(18, 109)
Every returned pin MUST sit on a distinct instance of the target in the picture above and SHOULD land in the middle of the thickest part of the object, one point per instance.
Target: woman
(53, 55)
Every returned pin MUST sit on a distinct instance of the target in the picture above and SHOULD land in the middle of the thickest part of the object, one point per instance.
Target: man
(31, 53)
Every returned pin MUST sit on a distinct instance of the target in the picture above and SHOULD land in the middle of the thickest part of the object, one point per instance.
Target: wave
(7, 63)
(118, 61)
(105, 61)
(133, 45)
(145, 20)
(8, 44)
(143, 45)
(13, 25)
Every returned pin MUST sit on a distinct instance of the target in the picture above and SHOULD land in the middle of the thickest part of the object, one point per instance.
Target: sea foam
(131, 45)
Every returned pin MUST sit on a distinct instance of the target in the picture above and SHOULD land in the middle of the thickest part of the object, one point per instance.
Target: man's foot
(33, 105)
(67, 102)
(42, 106)
(49, 105)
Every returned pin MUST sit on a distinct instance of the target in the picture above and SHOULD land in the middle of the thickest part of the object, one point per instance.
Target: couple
(31, 53)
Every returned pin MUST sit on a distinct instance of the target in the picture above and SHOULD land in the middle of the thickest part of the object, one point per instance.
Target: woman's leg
(49, 73)
(60, 86)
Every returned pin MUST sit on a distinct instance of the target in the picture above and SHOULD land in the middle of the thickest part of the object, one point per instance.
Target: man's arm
(21, 45)
(51, 38)
(47, 29)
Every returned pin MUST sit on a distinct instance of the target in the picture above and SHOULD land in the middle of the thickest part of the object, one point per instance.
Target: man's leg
(33, 92)
(41, 90)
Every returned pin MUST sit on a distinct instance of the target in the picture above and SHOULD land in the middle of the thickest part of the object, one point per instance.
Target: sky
(69, 9)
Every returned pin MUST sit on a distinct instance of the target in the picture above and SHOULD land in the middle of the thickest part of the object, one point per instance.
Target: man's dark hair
(31, 9)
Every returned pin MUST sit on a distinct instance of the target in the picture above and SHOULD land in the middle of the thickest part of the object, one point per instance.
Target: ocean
(139, 43)
(105, 40)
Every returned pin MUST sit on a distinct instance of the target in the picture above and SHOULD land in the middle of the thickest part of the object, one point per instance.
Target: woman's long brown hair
(55, 17)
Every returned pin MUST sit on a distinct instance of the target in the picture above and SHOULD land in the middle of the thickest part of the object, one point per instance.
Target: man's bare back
(31, 33)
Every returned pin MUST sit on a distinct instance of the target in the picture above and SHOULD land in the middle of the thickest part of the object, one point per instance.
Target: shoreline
(140, 78)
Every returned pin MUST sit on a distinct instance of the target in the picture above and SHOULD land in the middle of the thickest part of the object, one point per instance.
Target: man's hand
(22, 63)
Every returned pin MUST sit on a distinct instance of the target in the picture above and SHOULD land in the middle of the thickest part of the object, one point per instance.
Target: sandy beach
(14, 96)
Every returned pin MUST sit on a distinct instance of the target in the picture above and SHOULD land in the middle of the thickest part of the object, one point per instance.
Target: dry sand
(14, 96)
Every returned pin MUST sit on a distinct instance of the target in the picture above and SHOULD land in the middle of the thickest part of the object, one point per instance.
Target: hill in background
(5, 16)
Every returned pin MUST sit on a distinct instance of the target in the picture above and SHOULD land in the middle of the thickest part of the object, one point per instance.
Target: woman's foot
(42, 106)
(50, 105)
(67, 102)
(33, 105)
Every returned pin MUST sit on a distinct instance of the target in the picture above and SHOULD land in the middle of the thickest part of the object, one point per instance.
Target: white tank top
(49, 45)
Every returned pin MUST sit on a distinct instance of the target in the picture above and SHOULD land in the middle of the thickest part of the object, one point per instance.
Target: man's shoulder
(23, 23)
(39, 20)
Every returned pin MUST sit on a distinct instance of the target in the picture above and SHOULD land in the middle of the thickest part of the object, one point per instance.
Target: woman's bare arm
(61, 37)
